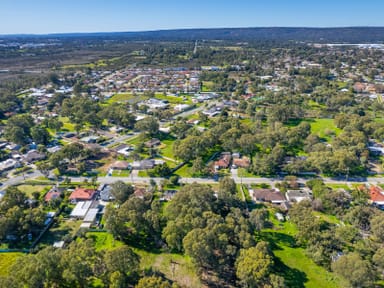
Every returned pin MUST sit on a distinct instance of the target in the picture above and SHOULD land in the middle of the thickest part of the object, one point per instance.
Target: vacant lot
(324, 128)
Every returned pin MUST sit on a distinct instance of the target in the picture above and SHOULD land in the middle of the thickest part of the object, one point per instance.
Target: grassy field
(6, 260)
(293, 264)
(29, 189)
(324, 128)
(67, 125)
(103, 240)
(59, 230)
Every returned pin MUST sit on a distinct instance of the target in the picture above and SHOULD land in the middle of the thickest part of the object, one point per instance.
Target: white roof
(85, 225)
(81, 209)
(58, 244)
(91, 215)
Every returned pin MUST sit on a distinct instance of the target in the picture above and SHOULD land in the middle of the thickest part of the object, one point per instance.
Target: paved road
(134, 178)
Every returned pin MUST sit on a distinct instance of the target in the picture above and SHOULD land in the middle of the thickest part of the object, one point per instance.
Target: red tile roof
(376, 194)
(82, 194)
(51, 195)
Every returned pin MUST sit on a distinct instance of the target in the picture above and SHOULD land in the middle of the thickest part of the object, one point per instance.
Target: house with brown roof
(53, 194)
(82, 194)
(140, 192)
(267, 195)
(224, 161)
(120, 165)
(242, 162)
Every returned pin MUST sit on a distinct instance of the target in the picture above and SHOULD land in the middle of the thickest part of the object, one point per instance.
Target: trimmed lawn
(29, 189)
(121, 173)
(185, 171)
(166, 149)
(103, 240)
(7, 260)
(67, 125)
(322, 127)
(338, 186)
(127, 97)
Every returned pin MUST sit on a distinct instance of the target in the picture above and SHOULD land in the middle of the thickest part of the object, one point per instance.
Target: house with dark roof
(105, 192)
(33, 156)
(152, 143)
(268, 195)
(82, 194)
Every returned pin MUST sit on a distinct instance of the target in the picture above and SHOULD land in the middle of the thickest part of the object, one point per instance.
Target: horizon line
(181, 29)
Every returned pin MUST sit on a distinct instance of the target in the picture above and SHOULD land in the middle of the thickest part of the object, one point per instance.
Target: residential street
(134, 178)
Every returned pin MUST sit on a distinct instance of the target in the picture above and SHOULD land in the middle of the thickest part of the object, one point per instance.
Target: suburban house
(8, 165)
(33, 156)
(140, 192)
(82, 194)
(242, 162)
(105, 192)
(376, 195)
(53, 194)
(81, 209)
(267, 195)
(168, 195)
(152, 143)
(298, 195)
(143, 165)
(120, 165)
(224, 161)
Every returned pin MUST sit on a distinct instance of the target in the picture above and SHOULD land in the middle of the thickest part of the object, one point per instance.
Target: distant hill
(334, 35)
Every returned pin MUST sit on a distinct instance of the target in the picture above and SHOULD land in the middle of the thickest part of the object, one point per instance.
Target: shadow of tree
(293, 277)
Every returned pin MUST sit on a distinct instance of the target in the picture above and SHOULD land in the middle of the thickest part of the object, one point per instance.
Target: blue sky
(60, 16)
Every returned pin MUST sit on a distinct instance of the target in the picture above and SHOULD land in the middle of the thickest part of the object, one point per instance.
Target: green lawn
(67, 125)
(121, 173)
(103, 240)
(338, 186)
(166, 149)
(173, 99)
(293, 264)
(29, 189)
(121, 97)
(185, 171)
(127, 97)
(6, 260)
(324, 128)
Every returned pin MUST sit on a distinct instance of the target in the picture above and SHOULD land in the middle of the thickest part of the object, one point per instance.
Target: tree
(198, 167)
(247, 143)
(79, 263)
(357, 271)
(121, 191)
(149, 125)
(18, 128)
(377, 228)
(254, 265)
(44, 168)
(40, 135)
(154, 282)
(124, 261)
